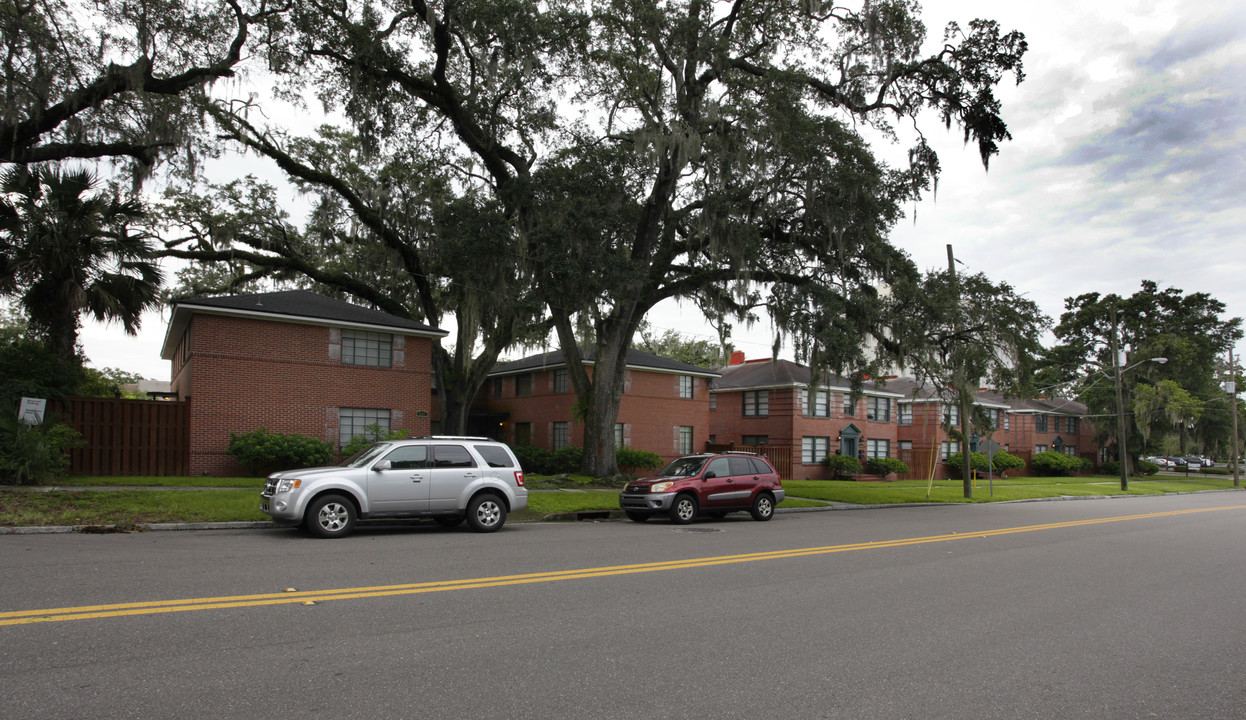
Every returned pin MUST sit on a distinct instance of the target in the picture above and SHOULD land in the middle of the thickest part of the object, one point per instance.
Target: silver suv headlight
(285, 485)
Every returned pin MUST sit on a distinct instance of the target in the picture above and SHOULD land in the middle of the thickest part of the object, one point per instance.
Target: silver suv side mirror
(382, 465)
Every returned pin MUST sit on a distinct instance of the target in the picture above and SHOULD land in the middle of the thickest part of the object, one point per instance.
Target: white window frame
(687, 387)
(813, 448)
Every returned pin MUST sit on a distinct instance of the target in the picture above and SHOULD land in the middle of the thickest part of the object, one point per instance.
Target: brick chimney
(737, 358)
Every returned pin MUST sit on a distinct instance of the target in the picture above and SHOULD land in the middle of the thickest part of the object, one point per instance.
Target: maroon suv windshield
(683, 467)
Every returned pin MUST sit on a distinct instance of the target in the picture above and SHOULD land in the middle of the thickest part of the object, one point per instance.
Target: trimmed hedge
(842, 466)
(1051, 463)
(567, 460)
(885, 466)
(262, 452)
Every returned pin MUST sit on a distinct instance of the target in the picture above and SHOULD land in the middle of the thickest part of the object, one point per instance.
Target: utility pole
(1231, 386)
(959, 380)
(1122, 449)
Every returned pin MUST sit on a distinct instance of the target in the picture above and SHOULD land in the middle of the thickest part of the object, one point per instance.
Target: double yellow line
(93, 612)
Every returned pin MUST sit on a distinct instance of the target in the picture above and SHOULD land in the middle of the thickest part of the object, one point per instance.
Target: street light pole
(1122, 454)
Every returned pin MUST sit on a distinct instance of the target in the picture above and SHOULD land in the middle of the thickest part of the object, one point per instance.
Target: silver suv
(448, 479)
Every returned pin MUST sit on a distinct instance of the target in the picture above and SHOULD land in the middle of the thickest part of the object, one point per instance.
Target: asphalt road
(1124, 608)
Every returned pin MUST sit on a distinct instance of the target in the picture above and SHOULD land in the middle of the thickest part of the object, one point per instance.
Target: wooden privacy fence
(129, 437)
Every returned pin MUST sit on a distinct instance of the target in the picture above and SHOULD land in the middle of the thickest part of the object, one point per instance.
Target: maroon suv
(714, 484)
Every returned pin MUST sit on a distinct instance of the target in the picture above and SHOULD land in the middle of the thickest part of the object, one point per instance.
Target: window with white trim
(950, 447)
(372, 423)
(816, 403)
(904, 413)
(877, 448)
(814, 449)
(360, 347)
(683, 443)
(951, 415)
(686, 385)
(878, 409)
(756, 403)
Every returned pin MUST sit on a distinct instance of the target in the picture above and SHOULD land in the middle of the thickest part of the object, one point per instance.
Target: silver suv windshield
(683, 467)
(365, 456)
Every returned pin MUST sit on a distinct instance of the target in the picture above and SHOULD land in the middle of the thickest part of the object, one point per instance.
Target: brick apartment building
(774, 403)
(664, 408)
(1020, 427)
(295, 362)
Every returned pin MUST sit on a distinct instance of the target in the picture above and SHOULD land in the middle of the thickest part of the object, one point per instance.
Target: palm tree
(64, 252)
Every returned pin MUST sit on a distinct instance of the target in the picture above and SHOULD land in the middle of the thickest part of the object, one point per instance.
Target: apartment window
(905, 412)
(683, 439)
(878, 409)
(1055, 423)
(817, 403)
(906, 445)
(497, 387)
(1040, 423)
(1073, 425)
(877, 448)
(950, 448)
(523, 385)
(360, 347)
(618, 435)
(361, 422)
(560, 381)
(685, 386)
(756, 403)
(754, 440)
(1007, 420)
(558, 435)
(523, 433)
(814, 449)
(1069, 450)
(713, 401)
(951, 415)
(850, 407)
(1040, 448)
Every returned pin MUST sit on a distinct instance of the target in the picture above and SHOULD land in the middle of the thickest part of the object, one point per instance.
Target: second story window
(685, 386)
(560, 381)
(817, 403)
(1073, 425)
(367, 348)
(850, 407)
(905, 413)
(756, 403)
(951, 415)
(1040, 423)
(523, 385)
(878, 409)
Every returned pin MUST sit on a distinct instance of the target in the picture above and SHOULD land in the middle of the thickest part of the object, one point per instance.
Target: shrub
(1145, 467)
(1110, 467)
(567, 459)
(1004, 461)
(1217, 470)
(1052, 463)
(534, 460)
(884, 466)
(842, 466)
(632, 459)
(977, 461)
(262, 452)
(33, 454)
(371, 433)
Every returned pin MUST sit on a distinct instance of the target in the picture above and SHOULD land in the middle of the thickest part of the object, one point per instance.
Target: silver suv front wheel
(331, 516)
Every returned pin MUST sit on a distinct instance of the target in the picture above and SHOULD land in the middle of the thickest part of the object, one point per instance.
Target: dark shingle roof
(294, 305)
(637, 359)
(785, 373)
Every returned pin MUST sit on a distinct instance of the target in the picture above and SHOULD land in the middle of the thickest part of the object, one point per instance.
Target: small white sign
(1230, 387)
(31, 410)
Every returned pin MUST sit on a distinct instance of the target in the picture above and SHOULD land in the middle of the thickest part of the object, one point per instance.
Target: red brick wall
(786, 424)
(243, 374)
(650, 410)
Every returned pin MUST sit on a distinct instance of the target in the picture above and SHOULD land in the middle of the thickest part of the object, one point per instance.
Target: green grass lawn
(239, 500)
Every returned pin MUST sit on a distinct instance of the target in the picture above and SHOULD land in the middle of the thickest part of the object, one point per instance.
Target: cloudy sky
(1128, 162)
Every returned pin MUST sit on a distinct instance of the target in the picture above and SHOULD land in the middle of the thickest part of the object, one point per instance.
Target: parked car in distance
(1207, 462)
(447, 479)
(1195, 462)
(711, 484)
(1163, 462)
(1178, 463)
